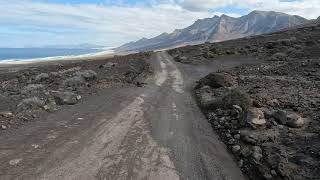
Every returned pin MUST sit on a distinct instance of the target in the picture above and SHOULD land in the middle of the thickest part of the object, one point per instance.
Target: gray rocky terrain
(266, 113)
(27, 92)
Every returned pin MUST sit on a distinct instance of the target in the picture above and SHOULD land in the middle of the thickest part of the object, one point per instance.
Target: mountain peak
(223, 16)
(219, 29)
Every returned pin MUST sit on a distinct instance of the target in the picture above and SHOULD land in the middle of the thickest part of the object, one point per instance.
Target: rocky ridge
(217, 29)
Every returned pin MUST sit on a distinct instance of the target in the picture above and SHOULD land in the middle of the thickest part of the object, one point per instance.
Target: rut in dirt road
(156, 132)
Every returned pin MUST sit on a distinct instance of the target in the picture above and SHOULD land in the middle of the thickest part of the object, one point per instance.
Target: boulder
(30, 103)
(256, 153)
(65, 98)
(216, 80)
(236, 148)
(88, 75)
(267, 112)
(280, 116)
(290, 119)
(294, 120)
(236, 111)
(255, 118)
(249, 137)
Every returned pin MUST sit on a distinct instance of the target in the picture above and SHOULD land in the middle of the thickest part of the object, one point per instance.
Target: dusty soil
(152, 132)
(33, 90)
(268, 114)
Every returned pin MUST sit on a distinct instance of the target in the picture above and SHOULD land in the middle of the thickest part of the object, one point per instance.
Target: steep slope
(218, 29)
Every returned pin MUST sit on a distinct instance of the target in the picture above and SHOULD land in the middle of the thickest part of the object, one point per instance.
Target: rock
(246, 152)
(236, 111)
(6, 113)
(14, 162)
(30, 103)
(236, 148)
(238, 108)
(240, 163)
(280, 116)
(237, 136)
(294, 120)
(231, 142)
(50, 107)
(42, 77)
(66, 98)
(236, 97)
(36, 146)
(249, 137)
(88, 75)
(267, 113)
(216, 80)
(3, 127)
(255, 118)
(257, 153)
(273, 173)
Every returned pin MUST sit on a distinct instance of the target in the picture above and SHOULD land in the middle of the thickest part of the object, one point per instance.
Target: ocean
(18, 54)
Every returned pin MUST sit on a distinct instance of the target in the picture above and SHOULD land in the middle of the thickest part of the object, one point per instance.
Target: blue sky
(37, 23)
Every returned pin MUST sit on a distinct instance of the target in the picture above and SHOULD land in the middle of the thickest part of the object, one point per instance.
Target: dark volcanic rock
(278, 137)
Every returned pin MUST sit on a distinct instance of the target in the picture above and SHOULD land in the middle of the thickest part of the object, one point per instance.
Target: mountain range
(217, 28)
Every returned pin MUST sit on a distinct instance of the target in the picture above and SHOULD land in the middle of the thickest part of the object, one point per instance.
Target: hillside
(217, 29)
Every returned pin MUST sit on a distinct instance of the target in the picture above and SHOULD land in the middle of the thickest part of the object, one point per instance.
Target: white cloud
(113, 24)
(306, 8)
(117, 24)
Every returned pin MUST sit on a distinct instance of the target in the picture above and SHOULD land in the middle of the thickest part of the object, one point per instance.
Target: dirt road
(155, 132)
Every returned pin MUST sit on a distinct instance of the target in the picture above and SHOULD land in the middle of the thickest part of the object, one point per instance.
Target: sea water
(19, 54)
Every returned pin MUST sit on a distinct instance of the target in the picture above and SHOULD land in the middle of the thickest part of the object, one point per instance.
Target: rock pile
(271, 134)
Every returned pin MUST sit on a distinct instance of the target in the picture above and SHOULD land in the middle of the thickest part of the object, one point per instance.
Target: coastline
(92, 56)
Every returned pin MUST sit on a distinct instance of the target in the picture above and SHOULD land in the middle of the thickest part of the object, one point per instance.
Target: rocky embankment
(268, 114)
(33, 91)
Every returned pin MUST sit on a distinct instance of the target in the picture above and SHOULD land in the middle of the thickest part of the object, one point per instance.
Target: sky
(110, 23)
